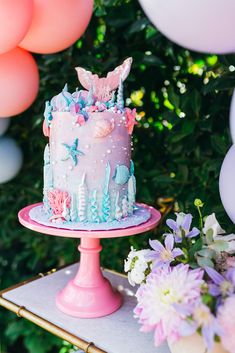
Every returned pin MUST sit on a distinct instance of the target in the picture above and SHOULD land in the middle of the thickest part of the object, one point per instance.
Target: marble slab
(115, 333)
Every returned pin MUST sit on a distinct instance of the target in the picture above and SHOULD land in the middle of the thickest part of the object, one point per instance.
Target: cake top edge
(99, 95)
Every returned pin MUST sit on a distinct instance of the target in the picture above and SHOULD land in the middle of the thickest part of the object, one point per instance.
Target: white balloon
(11, 159)
(200, 25)
(232, 118)
(4, 124)
(227, 183)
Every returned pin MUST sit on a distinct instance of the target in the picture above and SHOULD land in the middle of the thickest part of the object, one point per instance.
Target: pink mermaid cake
(89, 180)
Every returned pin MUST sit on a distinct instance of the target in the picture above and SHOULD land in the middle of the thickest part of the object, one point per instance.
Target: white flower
(180, 216)
(136, 265)
(212, 223)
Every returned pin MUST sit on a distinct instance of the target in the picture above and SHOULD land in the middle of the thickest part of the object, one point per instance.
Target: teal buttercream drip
(47, 113)
(120, 101)
(90, 96)
(132, 173)
(118, 212)
(111, 102)
(73, 209)
(131, 194)
(106, 204)
(94, 208)
(47, 177)
(132, 167)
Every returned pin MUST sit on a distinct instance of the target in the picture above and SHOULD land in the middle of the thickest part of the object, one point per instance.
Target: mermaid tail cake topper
(103, 86)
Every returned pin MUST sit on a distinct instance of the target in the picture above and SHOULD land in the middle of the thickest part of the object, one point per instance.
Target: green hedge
(182, 99)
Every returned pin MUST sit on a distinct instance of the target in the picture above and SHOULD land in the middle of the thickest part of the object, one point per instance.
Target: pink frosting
(113, 147)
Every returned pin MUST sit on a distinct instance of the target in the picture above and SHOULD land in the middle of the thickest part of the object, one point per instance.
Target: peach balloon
(57, 24)
(19, 81)
(15, 20)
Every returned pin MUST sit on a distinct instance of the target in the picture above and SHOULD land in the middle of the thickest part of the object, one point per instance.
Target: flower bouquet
(186, 291)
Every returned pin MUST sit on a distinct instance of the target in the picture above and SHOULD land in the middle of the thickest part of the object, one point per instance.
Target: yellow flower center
(202, 316)
(166, 255)
(225, 286)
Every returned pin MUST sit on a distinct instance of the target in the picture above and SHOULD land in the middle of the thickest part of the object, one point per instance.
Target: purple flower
(163, 255)
(181, 227)
(223, 285)
(202, 319)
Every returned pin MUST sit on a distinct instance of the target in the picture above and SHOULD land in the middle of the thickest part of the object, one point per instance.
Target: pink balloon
(15, 20)
(19, 81)
(57, 24)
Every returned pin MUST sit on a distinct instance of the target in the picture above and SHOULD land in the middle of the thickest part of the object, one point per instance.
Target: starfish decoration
(72, 151)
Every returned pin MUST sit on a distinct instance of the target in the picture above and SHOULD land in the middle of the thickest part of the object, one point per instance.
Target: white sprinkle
(109, 151)
(87, 146)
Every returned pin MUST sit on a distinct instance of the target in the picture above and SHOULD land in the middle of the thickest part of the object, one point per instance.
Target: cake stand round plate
(89, 294)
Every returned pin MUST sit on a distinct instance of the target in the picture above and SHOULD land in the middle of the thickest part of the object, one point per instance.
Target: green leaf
(195, 248)
(219, 245)
(138, 25)
(204, 262)
(152, 60)
(173, 97)
(218, 144)
(206, 252)
(196, 102)
(14, 330)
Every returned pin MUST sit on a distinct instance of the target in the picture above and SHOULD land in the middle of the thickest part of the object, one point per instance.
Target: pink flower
(165, 288)
(130, 119)
(74, 108)
(80, 119)
(226, 318)
(92, 108)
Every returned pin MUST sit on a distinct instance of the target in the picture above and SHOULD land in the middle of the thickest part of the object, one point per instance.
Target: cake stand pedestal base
(89, 294)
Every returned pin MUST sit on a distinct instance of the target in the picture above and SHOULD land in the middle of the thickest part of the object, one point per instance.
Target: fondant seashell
(103, 128)
(121, 174)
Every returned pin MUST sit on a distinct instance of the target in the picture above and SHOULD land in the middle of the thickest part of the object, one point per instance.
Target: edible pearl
(109, 151)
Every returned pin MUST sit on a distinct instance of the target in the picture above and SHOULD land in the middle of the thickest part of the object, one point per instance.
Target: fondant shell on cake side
(103, 128)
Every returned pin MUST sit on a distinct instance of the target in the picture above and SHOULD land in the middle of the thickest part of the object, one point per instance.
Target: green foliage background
(182, 99)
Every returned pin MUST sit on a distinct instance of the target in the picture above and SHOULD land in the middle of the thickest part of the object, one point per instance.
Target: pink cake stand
(89, 294)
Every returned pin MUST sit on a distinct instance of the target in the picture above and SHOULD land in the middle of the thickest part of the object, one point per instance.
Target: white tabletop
(116, 333)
